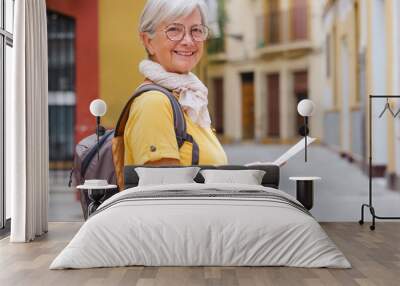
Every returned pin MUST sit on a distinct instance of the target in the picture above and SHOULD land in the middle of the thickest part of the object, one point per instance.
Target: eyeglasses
(176, 32)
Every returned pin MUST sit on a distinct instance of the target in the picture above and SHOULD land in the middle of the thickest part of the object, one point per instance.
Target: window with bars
(6, 60)
(61, 50)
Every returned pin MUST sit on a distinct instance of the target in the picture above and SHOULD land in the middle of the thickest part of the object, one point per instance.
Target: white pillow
(249, 177)
(164, 176)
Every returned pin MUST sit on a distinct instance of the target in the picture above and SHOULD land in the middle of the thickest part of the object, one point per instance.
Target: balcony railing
(282, 27)
(269, 29)
(216, 45)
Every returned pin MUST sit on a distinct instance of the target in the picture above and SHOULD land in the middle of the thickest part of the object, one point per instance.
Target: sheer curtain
(27, 124)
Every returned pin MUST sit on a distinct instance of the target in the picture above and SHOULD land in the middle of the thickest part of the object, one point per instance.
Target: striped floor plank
(375, 257)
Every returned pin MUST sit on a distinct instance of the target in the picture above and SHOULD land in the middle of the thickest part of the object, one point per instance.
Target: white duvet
(204, 231)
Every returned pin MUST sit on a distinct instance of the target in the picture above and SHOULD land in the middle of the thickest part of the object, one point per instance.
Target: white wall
(327, 98)
(244, 25)
(232, 103)
(260, 104)
(345, 92)
(378, 64)
(316, 71)
(396, 76)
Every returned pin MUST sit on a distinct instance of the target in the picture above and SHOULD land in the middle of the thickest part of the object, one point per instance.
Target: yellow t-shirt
(150, 136)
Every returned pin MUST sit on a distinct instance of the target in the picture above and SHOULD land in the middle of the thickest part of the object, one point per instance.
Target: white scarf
(193, 94)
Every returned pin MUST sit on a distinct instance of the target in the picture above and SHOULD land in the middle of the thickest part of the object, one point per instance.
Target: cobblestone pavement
(338, 196)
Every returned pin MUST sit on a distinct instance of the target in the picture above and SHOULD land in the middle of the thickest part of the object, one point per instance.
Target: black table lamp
(306, 109)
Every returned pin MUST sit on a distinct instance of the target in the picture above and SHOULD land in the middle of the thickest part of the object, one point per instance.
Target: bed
(201, 224)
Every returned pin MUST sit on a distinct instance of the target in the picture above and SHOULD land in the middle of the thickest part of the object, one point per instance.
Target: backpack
(109, 164)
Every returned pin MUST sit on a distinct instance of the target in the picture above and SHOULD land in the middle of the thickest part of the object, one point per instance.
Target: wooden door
(247, 106)
(219, 105)
(273, 105)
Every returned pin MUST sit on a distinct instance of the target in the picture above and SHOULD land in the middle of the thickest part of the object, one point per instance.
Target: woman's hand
(163, 162)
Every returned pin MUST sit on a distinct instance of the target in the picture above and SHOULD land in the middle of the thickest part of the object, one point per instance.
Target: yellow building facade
(361, 57)
(120, 53)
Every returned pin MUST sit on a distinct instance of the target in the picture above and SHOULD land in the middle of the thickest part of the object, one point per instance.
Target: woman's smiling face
(176, 56)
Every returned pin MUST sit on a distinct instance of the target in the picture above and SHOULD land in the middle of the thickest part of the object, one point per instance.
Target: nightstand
(96, 195)
(305, 190)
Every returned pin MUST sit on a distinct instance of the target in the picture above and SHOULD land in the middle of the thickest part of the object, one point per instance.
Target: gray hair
(158, 11)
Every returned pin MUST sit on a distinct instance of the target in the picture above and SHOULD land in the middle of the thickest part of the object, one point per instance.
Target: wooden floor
(375, 257)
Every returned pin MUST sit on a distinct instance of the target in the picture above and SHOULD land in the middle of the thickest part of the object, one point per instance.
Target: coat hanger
(397, 113)
(387, 106)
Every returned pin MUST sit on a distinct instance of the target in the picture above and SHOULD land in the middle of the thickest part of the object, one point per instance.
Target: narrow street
(337, 197)
(340, 193)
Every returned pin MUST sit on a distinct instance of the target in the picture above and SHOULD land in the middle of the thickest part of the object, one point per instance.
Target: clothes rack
(370, 205)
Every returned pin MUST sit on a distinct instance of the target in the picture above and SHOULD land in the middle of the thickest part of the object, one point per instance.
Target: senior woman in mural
(173, 34)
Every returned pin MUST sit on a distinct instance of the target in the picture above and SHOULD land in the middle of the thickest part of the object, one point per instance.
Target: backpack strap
(195, 149)
(179, 119)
